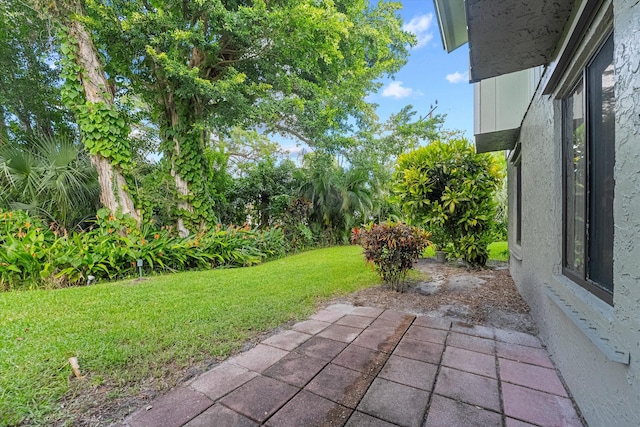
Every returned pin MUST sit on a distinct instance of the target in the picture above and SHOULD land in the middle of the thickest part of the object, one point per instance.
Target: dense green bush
(391, 248)
(35, 256)
(447, 187)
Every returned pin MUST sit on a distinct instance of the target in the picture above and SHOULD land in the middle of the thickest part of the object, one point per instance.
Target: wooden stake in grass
(73, 361)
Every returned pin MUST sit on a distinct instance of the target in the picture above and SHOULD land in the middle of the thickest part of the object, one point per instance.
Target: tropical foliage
(34, 255)
(450, 189)
(52, 178)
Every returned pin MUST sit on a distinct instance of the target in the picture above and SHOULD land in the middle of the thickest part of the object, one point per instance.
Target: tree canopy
(176, 103)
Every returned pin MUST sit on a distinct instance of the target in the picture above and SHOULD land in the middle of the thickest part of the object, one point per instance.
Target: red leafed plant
(391, 248)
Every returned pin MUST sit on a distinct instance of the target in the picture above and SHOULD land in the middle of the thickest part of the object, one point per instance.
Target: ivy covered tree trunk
(94, 120)
(184, 143)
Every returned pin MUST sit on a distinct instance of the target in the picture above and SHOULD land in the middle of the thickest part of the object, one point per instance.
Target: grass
(125, 332)
(498, 251)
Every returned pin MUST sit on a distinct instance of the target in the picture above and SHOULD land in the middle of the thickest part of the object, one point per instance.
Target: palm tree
(340, 198)
(52, 178)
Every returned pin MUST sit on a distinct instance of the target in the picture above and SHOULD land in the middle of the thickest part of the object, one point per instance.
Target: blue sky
(430, 74)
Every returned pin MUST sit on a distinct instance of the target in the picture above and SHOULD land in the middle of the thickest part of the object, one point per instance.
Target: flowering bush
(391, 249)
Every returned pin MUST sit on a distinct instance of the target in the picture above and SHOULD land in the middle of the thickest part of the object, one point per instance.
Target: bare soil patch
(486, 297)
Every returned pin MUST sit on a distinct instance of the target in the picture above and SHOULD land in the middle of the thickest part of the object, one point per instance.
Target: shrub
(35, 256)
(392, 249)
(446, 185)
(25, 251)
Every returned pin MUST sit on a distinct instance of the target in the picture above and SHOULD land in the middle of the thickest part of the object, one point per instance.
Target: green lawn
(498, 251)
(125, 332)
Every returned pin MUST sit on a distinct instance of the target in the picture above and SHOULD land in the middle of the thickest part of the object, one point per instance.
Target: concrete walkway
(363, 366)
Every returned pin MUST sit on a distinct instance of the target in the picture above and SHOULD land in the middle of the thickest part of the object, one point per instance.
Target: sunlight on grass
(126, 331)
(498, 251)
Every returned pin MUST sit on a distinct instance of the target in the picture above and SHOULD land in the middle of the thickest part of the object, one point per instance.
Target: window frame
(515, 159)
(583, 80)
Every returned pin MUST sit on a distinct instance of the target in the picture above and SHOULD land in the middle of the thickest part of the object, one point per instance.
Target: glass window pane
(575, 180)
(600, 80)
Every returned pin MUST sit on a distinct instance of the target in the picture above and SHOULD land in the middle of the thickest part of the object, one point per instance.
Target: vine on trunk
(104, 129)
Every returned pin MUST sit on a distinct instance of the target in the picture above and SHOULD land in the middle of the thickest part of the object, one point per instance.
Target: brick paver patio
(364, 366)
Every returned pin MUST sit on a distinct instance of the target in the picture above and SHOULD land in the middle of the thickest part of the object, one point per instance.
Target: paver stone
(221, 380)
(475, 330)
(175, 408)
(515, 337)
(470, 361)
(409, 372)
(309, 410)
(381, 339)
(469, 388)
(510, 422)
(220, 416)
(321, 348)
(327, 316)
(372, 312)
(259, 358)
(419, 333)
(470, 342)
(311, 327)
(433, 322)
(419, 350)
(259, 398)
(361, 359)
(531, 376)
(295, 369)
(287, 340)
(341, 333)
(521, 353)
(445, 412)
(342, 385)
(360, 419)
(537, 407)
(395, 403)
(355, 321)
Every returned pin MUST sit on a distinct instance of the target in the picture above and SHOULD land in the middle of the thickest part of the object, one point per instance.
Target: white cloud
(457, 77)
(396, 90)
(421, 27)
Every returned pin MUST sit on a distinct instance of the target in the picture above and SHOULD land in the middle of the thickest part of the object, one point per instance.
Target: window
(516, 220)
(518, 201)
(588, 153)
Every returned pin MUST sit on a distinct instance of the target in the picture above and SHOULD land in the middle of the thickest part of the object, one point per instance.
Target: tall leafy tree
(29, 89)
(263, 192)
(300, 67)
(89, 94)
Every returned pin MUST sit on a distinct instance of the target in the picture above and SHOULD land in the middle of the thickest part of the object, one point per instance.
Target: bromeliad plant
(392, 248)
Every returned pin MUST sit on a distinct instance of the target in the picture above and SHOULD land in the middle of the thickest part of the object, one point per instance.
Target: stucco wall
(607, 392)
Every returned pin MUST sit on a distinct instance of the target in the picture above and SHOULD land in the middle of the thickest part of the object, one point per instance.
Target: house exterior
(557, 84)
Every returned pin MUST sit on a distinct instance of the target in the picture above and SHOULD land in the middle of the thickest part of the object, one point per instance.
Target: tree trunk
(113, 193)
(4, 134)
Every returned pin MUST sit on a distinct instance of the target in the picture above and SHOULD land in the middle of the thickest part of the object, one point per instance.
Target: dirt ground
(487, 297)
